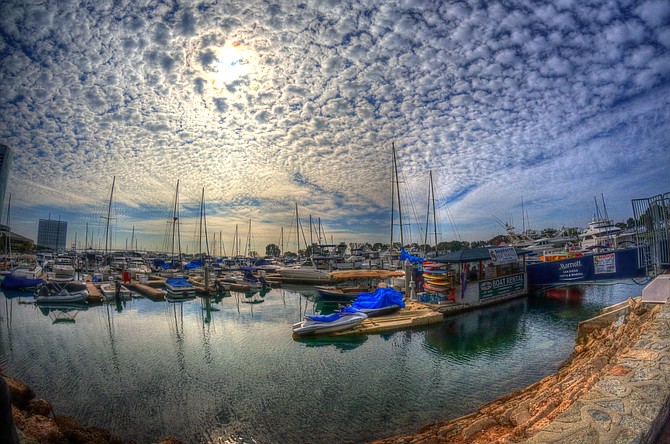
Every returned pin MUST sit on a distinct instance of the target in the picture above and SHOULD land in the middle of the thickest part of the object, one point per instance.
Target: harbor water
(229, 369)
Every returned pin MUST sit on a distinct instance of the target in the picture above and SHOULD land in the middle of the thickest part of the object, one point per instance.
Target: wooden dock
(146, 290)
(94, 294)
(415, 314)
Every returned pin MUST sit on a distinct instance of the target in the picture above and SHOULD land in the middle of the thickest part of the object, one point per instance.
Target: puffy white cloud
(269, 105)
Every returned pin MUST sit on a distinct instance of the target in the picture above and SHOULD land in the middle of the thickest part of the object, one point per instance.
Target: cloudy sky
(266, 105)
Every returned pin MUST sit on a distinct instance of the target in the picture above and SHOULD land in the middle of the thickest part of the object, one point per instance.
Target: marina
(242, 376)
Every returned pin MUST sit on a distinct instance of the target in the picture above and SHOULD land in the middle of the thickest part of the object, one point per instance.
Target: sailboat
(23, 276)
(307, 271)
(177, 287)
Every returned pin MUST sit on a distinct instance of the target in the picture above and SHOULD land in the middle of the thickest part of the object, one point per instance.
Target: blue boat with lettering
(612, 264)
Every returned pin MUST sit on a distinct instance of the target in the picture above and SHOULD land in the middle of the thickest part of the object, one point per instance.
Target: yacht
(600, 233)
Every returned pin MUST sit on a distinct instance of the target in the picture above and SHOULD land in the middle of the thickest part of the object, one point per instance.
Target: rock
(19, 393)
(42, 429)
(478, 426)
(170, 440)
(39, 407)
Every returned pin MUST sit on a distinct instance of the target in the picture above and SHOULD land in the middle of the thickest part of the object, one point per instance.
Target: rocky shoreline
(513, 418)
(518, 416)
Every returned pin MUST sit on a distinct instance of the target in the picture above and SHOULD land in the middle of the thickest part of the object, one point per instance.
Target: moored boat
(58, 292)
(382, 302)
(620, 263)
(341, 320)
(109, 290)
(179, 288)
(12, 282)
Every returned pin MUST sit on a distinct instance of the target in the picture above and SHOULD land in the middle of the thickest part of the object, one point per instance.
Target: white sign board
(503, 255)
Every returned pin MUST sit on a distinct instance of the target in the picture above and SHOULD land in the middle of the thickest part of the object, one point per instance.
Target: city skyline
(265, 106)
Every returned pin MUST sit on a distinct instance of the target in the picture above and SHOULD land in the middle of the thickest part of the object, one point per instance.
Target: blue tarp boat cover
(333, 316)
(413, 259)
(11, 282)
(178, 282)
(382, 297)
(193, 264)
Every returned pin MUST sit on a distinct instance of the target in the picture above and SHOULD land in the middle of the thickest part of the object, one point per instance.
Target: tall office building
(52, 234)
(5, 166)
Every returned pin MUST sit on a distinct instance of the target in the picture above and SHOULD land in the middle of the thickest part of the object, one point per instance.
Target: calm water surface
(230, 370)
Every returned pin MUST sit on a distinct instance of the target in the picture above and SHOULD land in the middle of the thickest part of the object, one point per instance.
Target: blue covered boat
(179, 288)
(11, 282)
(343, 319)
(614, 264)
(382, 301)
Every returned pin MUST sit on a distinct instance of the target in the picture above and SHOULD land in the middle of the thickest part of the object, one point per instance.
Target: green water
(230, 370)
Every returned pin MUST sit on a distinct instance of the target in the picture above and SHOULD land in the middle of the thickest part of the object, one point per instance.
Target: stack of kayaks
(436, 278)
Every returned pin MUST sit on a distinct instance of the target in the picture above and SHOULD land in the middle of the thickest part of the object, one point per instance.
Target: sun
(233, 61)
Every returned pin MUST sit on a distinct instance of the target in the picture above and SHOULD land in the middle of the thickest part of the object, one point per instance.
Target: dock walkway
(414, 314)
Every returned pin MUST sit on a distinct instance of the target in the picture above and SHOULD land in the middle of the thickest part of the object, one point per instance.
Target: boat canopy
(345, 275)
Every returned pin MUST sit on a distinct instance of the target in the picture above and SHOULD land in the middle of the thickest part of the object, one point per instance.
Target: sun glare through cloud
(232, 62)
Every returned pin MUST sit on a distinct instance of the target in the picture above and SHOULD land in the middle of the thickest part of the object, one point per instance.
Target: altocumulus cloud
(268, 105)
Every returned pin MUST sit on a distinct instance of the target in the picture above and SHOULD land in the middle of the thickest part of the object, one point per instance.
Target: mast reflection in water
(209, 370)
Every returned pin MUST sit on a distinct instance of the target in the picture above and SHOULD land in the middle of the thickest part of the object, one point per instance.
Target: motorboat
(179, 288)
(108, 289)
(307, 272)
(63, 267)
(601, 232)
(23, 277)
(11, 282)
(340, 292)
(61, 292)
(343, 319)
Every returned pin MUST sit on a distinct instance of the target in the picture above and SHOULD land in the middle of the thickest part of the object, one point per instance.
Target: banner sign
(503, 255)
(504, 286)
(604, 263)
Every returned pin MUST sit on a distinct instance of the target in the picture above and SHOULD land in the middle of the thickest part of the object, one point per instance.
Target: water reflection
(570, 294)
(342, 343)
(494, 327)
(233, 369)
(62, 313)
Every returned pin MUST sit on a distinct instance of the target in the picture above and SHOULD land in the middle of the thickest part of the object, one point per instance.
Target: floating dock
(415, 314)
(146, 290)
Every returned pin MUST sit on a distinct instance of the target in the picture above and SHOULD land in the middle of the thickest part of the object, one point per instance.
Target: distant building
(5, 165)
(52, 234)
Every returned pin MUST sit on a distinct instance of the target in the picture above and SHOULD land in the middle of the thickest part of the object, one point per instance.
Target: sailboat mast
(432, 193)
(175, 218)
(397, 187)
(202, 203)
(297, 228)
(109, 215)
(9, 233)
(392, 197)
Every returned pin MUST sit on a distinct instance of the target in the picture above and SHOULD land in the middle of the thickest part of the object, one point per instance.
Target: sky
(525, 112)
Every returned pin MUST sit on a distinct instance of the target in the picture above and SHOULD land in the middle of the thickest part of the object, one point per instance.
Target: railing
(652, 224)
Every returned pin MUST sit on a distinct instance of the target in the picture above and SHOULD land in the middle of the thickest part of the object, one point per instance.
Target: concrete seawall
(631, 403)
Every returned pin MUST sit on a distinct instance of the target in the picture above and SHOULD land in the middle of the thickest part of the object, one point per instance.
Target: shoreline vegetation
(512, 418)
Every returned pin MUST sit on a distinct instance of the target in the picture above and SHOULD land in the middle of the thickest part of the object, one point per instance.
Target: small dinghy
(340, 320)
(58, 293)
